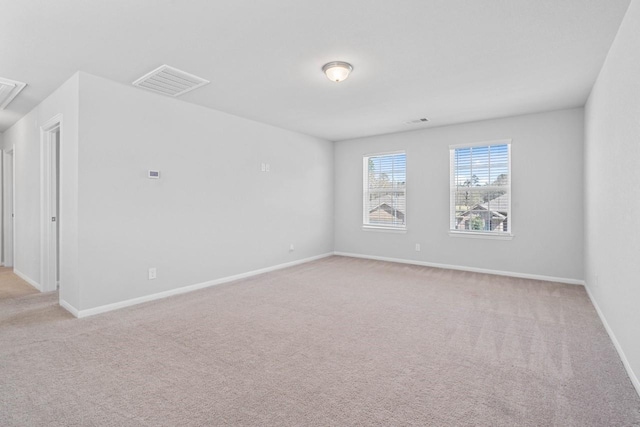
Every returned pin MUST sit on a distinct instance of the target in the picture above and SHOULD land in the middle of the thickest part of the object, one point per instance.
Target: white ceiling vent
(8, 90)
(417, 121)
(170, 81)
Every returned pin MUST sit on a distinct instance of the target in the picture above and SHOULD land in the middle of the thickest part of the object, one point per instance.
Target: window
(385, 177)
(481, 188)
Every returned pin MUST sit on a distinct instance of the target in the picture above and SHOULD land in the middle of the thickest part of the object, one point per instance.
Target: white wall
(612, 202)
(546, 196)
(213, 213)
(24, 137)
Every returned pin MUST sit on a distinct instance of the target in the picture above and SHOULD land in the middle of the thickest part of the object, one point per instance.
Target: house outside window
(384, 188)
(481, 189)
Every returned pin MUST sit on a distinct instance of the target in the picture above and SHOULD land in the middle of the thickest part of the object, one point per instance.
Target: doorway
(51, 137)
(7, 202)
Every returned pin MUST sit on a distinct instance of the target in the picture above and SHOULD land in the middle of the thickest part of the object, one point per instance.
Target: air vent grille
(417, 121)
(9, 89)
(170, 81)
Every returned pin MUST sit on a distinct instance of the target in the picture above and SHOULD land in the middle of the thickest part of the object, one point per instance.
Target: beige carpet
(11, 286)
(335, 342)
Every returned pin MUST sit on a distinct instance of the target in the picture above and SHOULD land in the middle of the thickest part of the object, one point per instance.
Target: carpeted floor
(11, 286)
(335, 342)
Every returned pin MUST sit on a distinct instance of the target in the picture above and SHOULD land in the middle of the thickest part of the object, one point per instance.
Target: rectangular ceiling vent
(170, 81)
(9, 89)
(417, 121)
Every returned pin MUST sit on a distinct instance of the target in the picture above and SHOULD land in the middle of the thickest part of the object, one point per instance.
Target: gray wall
(612, 177)
(212, 214)
(547, 173)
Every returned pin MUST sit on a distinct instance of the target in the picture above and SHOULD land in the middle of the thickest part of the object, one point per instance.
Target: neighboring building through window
(481, 188)
(385, 180)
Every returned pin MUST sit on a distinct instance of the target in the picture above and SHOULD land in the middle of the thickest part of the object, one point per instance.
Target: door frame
(48, 190)
(8, 207)
(2, 208)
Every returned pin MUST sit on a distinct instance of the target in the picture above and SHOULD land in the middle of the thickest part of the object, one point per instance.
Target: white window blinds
(385, 180)
(481, 188)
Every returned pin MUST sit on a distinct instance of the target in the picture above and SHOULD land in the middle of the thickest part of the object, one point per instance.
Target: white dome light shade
(337, 71)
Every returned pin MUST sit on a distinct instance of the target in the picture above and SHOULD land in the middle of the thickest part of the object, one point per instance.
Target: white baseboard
(185, 289)
(27, 279)
(71, 309)
(616, 344)
(465, 268)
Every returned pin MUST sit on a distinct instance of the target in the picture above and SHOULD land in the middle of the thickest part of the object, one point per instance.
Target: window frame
(365, 192)
(482, 234)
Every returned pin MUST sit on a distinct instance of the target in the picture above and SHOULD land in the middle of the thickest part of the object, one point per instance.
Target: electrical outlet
(291, 248)
(152, 273)
(417, 247)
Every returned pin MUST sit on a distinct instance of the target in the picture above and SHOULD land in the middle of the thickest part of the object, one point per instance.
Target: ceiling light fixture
(337, 71)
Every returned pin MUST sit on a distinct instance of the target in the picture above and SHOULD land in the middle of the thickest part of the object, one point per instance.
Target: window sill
(384, 229)
(480, 235)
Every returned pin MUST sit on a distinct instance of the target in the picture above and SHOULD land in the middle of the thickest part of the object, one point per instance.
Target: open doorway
(51, 137)
(7, 203)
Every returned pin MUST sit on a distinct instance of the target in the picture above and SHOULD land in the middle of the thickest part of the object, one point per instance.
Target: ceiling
(449, 60)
